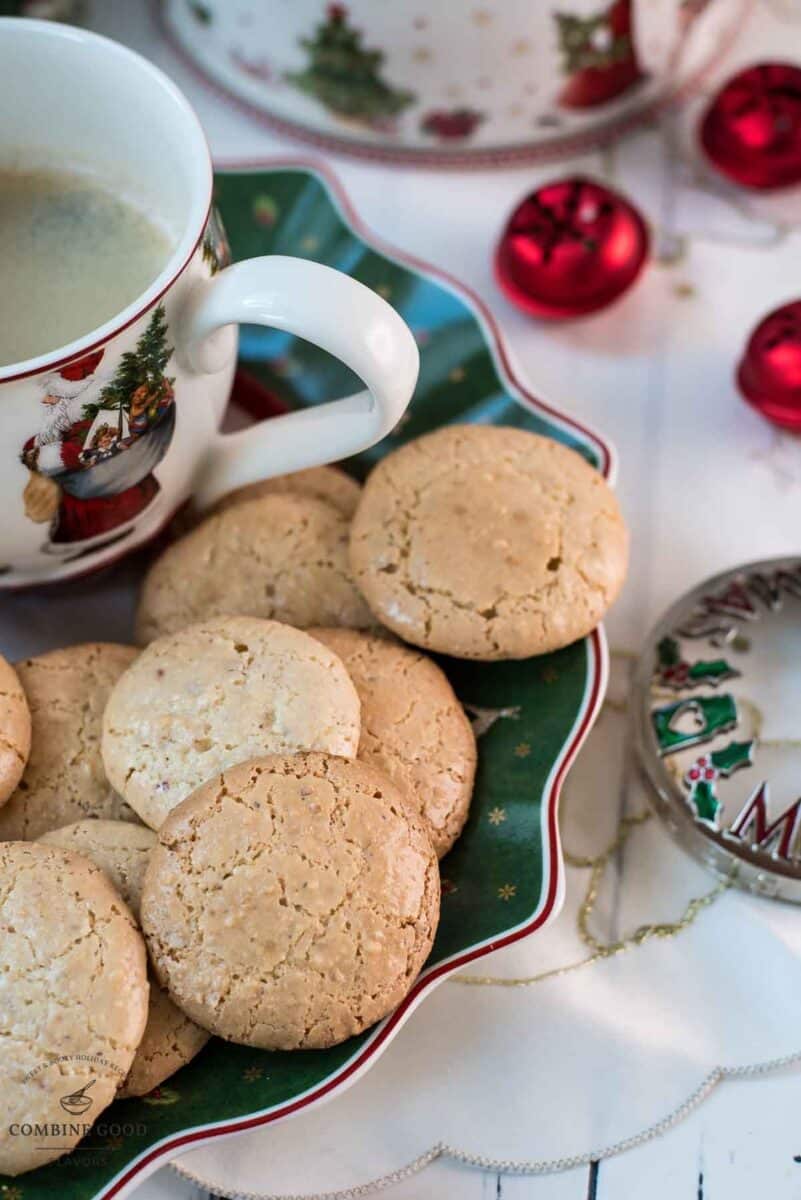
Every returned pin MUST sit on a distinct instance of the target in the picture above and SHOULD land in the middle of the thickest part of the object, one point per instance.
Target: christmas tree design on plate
(598, 55)
(346, 77)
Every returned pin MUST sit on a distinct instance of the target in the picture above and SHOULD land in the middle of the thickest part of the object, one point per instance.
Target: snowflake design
(522, 750)
(457, 374)
(506, 891)
(549, 675)
(251, 1074)
(496, 816)
(309, 243)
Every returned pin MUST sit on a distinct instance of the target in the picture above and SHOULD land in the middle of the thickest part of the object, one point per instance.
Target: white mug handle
(334, 312)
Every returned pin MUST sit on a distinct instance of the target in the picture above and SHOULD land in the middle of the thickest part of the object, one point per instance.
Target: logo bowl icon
(77, 1102)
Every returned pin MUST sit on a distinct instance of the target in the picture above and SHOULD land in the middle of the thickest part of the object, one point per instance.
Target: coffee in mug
(74, 254)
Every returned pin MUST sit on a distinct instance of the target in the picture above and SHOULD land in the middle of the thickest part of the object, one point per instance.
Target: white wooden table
(626, 372)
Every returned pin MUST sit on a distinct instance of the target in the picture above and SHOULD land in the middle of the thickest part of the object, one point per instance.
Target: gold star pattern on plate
(10, 1193)
(514, 110)
(421, 54)
(251, 1074)
(454, 91)
(309, 243)
(522, 749)
(521, 46)
(506, 891)
(684, 291)
(456, 374)
(549, 675)
(482, 17)
(496, 816)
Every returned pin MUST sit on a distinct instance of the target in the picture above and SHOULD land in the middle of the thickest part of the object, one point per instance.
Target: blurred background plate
(449, 84)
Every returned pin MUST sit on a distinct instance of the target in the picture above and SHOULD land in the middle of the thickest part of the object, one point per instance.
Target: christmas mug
(104, 438)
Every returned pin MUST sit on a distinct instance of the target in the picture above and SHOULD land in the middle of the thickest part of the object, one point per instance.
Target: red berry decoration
(769, 374)
(751, 131)
(570, 248)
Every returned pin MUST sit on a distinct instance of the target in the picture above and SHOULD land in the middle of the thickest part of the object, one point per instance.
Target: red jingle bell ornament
(570, 248)
(769, 374)
(751, 131)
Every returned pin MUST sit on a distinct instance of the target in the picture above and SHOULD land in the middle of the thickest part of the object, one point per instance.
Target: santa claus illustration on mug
(91, 463)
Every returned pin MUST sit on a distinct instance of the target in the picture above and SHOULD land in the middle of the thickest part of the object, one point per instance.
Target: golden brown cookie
(122, 851)
(73, 1001)
(64, 780)
(488, 542)
(413, 728)
(15, 730)
(291, 901)
(119, 848)
(280, 557)
(171, 1040)
(217, 693)
(323, 483)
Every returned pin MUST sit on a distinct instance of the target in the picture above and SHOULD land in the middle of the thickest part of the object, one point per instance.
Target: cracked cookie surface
(216, 693)
(413, 728)
(323, 483)
(15, 730)
(292, 901)
(488, 542)
(282, 557)
(64, 779)
(73, 1000)
(122, 850)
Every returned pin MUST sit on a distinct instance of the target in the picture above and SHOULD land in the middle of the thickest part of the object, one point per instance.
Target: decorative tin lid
(717, 712)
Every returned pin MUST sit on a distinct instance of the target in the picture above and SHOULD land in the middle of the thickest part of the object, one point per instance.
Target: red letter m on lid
(780, 834)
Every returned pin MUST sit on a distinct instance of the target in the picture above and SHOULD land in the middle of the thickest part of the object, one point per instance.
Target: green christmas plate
(504, 878)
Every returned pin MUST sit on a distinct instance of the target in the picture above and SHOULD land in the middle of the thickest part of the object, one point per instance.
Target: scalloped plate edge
(547, 908)
(552, 891)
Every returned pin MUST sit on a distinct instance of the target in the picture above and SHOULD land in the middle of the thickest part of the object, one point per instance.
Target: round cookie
(292, 901)
(73, 1000)
(122, 851)
(119, 848)
(64, 780)
(323, 483)
(171, 1040)
(217, 693)
(413, 728)
(15, 730)
(280, 557)
(487, 542)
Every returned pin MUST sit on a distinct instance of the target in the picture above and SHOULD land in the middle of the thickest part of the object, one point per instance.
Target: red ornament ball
(570, 248)
(769, 374)
(751, 131)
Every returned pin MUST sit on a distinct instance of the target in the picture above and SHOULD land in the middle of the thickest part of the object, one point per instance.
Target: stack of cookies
(235, 831)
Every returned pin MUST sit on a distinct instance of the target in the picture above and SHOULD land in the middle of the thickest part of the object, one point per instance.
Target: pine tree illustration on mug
(140, 389)
(92, 460)
(345, 76)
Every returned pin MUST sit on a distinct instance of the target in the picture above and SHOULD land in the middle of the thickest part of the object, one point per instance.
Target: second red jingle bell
(571, 248)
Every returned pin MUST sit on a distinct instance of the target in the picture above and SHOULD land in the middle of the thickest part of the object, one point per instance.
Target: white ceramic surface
(449, 82)
(82, 481)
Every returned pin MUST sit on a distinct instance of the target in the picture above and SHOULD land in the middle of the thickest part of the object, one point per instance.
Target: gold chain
(597, 867)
